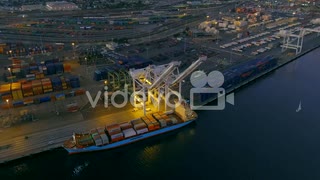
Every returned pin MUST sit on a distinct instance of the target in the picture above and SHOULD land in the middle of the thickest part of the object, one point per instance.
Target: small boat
(120, 134)
(299, 107)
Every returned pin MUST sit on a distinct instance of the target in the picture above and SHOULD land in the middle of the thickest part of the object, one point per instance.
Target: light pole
(9, 69)
(73, 49)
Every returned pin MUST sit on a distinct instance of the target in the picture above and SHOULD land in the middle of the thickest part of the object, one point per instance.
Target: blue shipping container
(50, 69)
(97, 75)
(18, 104)
(59, 68)
(44, 99)
(75, 84)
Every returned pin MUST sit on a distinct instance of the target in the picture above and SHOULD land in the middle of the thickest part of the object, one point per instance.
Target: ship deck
(79, 135)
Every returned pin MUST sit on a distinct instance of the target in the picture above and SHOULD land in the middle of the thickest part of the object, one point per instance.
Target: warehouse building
(61, 6)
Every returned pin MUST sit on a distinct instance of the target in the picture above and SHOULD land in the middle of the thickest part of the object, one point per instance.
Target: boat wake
(78, 169)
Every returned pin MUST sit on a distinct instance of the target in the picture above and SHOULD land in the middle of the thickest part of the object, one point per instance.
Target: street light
(73, 48)
(9, 69)
(10, 53)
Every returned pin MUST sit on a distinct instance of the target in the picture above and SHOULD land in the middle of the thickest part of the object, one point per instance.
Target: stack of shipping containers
(115, 132)
(63, 83)
(50, 69)
(37, 87)
(66, 67)
(58, 67)
(16, 91)
(56, 83)
(74, 81)
(46, 85)
(27, 89)
(5, 92)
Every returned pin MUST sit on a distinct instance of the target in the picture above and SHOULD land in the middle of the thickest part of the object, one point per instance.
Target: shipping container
(66, 67)
(74, 81)
(140, 126)
(39, 75)
(59, 68)
(117, 137)
(105, 139)
(63, 83)
(141, 131)
(113, 129)
(30, 77)
(56, 83)
(97, 75)
(129, 133)
(162, 122)
(51, 69)
(33, 69)
(27, 89)
(5, 92)
(79, 92)
(97, 140)
(45, 99)
(60, 96)
(243, 72)
(100, 130)
(44, 69)
(17, 104)
(16, 91)
(37, 87)
(125, 126)
(28, 101)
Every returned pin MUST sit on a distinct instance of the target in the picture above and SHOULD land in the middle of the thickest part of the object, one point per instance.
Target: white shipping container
(141, 131)
(129, 132)
(98, 141)
(174, 120)
(163, 123)
(104, 138)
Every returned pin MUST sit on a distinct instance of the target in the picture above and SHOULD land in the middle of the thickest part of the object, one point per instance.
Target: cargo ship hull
(129, 140)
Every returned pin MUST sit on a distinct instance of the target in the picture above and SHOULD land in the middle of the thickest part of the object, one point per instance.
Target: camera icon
(215, 80)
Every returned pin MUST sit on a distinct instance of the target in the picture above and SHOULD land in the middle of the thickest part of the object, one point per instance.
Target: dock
(15, 145)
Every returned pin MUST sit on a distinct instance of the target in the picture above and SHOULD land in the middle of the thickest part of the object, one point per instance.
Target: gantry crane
(155, 82)
(295, 41)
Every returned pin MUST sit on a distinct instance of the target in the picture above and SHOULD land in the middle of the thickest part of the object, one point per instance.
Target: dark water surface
(261, 137)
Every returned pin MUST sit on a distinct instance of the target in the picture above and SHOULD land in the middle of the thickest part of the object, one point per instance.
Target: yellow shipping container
(5, 88)
(16, 90)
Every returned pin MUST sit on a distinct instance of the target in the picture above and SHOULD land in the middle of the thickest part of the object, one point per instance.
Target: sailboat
(299, 107)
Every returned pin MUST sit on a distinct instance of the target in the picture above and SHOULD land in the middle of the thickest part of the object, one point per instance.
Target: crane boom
(167, 72)
(190, 69)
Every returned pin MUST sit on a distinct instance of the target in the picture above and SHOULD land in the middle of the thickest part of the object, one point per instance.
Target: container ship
(116, 135)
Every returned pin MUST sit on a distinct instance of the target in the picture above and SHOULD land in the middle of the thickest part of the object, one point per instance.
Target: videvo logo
(199, 81)
(124, 94)
(215, 80)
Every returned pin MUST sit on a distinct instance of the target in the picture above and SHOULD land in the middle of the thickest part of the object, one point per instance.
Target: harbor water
(261, 137)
